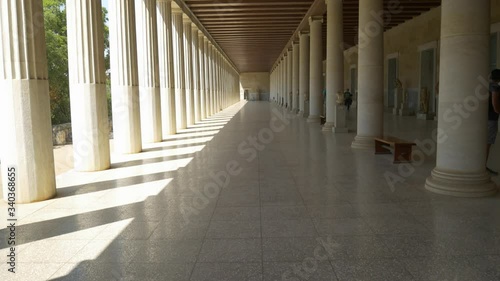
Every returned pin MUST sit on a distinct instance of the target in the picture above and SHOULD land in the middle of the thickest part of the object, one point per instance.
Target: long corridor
(255, 193)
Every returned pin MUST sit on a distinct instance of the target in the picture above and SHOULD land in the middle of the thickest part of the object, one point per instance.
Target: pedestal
(305, 113)
(398, 98)
(340, 126)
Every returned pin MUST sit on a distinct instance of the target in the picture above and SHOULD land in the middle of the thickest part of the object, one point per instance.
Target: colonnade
(460, 139)
(166, 74)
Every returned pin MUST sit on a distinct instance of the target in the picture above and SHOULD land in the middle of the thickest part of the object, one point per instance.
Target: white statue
(340, 98)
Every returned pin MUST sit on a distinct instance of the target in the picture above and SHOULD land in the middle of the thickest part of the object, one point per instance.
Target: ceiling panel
(253, 33)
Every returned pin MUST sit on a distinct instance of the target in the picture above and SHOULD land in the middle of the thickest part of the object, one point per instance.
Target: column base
(460, 185)
(300, 113)
(313, 119)
(328, 127)
(361, 142)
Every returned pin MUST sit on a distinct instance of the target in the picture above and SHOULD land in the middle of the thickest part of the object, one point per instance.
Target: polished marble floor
(254, 193)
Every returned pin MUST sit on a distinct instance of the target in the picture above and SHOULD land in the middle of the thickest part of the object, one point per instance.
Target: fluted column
(180, 86)
(196, 74)
(124, 77)
(334, 66)
(201, 64)
(216, 81)
(219, 80)
(283, 80)
(87, 77)
(166, 67)
(463, 101)
(213, 86)
(278, 83)
(149, 80)
(316, 70)
(188, 68)
(289, 78)
(370, 75)
(281, 86)
(26, 143)
(304, 71)
(208, 87)
(295, 77)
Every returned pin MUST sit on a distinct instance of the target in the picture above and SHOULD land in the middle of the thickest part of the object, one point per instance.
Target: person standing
(347, 99)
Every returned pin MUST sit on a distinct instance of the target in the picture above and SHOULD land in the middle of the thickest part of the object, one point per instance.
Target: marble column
(370, 75)
(196, 74)
(210, 79)
(304, 71)
(283, 81)
(334, 65)
(124, 77)
(87, 78)
(295, 76)
(316, 70)
(278, 83)
(217, 81)
(180, 78)
(26, 143)
(149, 80)
(201, 43)
(271, 76)
(213, 74)
(188, 68)
(289, 78)
(208, 87)
(166, 67)
(463, 101)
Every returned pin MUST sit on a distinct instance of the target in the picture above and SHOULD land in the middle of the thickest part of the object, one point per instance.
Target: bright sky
(105, 3)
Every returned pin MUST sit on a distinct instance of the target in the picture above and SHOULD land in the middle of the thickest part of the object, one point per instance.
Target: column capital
(315, 19)
(329, 1)
(195, 27)
(290, 49)
(295, 43)
(304, 33)
(186, 18)
(176, 10)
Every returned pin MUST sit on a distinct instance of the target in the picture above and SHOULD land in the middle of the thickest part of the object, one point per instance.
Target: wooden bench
(402, 148)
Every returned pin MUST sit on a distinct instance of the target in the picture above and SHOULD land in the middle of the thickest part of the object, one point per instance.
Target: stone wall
(62, 133)
(257, 84)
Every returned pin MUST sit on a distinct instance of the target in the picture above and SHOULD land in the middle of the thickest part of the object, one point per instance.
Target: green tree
(57, 57)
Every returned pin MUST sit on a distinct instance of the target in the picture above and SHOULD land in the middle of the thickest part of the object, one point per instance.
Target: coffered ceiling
(253, 33)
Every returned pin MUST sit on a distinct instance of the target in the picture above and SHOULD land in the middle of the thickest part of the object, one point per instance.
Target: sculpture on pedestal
(340, 98)
(424, 101)
(397, 84)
